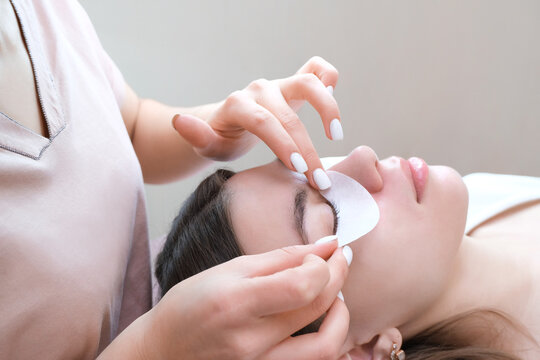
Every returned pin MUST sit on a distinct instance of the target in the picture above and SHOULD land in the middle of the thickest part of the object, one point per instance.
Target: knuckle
(323, 64)
(287, 251)
(293, 252)
(302, 290)
(259, 84)
(290, 121)
(310, 79)
(310, 155)
(259, 117)
(219, 305)
(234, 99)
(331, 73)
(316, 59)
(226, 303)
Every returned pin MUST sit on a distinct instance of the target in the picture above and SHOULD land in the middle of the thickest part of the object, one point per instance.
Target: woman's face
(399, 268)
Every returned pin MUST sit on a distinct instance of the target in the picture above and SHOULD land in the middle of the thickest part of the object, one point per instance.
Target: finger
(262, 123)
(327, 343)
(272, 99)
(195, 131)
(288, 257)
(310, 88)
(290, 322)
(289, 289)
(322, 69)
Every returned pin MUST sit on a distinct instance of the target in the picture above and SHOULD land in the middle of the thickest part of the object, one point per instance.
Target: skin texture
(416, 248)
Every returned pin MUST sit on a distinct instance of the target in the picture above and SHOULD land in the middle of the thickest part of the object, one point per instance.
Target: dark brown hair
(202, 237)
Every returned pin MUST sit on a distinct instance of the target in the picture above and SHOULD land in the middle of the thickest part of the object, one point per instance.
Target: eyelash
(335, 211)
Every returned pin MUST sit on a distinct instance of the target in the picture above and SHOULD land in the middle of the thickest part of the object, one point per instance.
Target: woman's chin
(449, 180)
(450, 194)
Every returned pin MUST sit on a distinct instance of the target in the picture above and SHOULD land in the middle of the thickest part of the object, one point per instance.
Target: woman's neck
(487, 275)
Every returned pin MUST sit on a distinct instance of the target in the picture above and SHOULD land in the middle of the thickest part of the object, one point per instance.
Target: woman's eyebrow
(299, 209)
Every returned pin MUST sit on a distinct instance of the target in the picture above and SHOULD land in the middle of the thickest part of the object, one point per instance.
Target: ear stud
(397, 354)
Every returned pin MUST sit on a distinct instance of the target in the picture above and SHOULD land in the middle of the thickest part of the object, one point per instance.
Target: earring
(397, 354)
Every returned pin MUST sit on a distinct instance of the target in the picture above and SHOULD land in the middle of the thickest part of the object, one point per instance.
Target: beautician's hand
(267, 110)
(248, 307)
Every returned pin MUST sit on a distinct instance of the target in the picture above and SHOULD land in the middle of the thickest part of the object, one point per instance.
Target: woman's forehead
(265, 175)
(268, 185)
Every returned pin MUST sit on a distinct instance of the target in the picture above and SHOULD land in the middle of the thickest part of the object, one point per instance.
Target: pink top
(74, 263)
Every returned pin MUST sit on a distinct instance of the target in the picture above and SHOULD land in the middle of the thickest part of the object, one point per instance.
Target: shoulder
(63, 18)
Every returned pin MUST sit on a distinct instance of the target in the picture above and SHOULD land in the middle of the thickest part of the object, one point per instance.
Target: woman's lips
(420, 174)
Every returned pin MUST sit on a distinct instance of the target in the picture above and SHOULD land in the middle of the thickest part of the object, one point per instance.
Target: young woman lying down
(450, 271)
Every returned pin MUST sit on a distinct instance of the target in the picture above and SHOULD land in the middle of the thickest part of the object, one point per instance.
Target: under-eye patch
(358, 212)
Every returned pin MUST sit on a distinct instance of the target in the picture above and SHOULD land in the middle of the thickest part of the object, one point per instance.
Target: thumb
(194, 130)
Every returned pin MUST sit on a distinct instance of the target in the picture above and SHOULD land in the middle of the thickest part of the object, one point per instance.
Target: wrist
(133, 343)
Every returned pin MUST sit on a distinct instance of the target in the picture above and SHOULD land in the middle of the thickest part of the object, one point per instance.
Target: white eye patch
(358, 212)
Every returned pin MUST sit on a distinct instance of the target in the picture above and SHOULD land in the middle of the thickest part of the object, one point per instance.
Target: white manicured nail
(326, 239)
(330, 89)
(340, 295)
(348, 356)
(321, 179)
(336, 131)
(347, 252)
(298, 162)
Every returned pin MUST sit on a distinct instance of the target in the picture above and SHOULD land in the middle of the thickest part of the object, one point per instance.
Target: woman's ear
(379, 347)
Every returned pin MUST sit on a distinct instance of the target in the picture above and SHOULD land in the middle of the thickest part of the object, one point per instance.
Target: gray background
(455, 82)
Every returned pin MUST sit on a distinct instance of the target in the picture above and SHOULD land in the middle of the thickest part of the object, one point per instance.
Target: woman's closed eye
(314, 216)
(335, 212)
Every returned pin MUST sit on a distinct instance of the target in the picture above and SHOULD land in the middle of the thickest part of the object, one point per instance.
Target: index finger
(287, 257)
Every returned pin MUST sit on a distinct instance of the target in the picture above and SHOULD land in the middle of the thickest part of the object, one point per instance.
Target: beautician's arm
(228, 129)
(246, 309)
(164, 155)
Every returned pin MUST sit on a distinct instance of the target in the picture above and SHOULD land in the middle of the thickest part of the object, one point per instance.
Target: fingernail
(321, 179)
(340, 295)
(347, 252)
(298, 162)
(349, 357)
(174, 119)
(330, 89)
(326, 239)
(336, 131)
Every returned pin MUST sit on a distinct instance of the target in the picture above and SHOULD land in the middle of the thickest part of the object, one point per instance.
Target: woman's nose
(361, 165)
